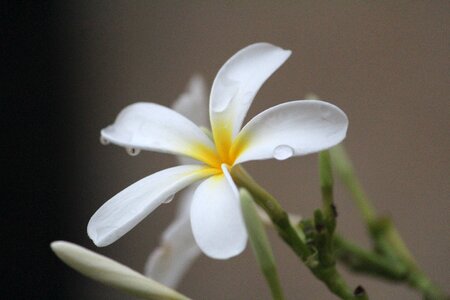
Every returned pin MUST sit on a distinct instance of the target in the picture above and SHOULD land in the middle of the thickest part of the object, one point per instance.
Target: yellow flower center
(225, 152)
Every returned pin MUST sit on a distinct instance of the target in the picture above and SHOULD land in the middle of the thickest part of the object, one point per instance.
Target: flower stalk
(310, 242)
(260, 244)
(274, 210)
(390, 257)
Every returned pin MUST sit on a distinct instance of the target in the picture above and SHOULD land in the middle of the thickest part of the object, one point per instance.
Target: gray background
(385, 64)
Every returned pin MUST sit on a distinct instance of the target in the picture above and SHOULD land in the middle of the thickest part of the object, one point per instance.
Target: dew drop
(104, 141)
(133, 151)
(283, 152)
(169, 199)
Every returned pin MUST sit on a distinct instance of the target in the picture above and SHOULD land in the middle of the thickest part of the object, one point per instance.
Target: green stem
(274, 210)
(347, 174)
(260, 244)
(429, 290)
(334, 281)
(387, 240)
(326, 187)
(328, 275)
(361, 260)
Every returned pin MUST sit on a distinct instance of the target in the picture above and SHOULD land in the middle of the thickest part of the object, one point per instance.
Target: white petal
(216, 219)
(154, 127)
(230, 181)
(193, 103)
(290, 129)
(238, 81)
(185, 201)
(178, 250)
(126, 209)
(112, 273)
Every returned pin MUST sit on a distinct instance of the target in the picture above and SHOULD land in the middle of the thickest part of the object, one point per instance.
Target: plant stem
(387, 241)
(260, 244)
(361, 260)
(334, 281)
(327, 274)
(274, 210)
(429, 290)
(345, 170)
(326, 187)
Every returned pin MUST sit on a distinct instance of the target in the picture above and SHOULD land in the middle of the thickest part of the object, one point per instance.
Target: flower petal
(235, 86)
(126, 209)
(154, 127)
(170, 261)
(178, 250)
(193, 103)
(291, 129)
(112, 273)
(216, 219)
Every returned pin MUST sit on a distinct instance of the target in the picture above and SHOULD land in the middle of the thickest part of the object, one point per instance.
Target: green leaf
(260, 244)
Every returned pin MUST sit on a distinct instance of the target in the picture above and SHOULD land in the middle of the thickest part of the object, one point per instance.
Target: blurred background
(70, 68)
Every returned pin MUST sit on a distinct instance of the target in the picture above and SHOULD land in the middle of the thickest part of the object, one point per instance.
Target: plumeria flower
(289, 129)
(170, 261)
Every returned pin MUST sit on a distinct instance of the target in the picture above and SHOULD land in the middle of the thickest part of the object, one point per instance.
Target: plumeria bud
(112, 273)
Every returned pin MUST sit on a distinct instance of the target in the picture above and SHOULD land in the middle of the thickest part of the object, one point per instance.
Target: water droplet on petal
(104, 141)
(133, 151)
(283, 152)
(169, 199)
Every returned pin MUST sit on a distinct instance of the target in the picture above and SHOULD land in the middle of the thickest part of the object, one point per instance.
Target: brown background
(385, 64)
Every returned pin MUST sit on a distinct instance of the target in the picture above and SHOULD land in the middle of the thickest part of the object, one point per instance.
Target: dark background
(69, 68)
(36, 121)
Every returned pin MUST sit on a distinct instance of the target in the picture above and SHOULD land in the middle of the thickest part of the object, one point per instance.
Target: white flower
(286, 130)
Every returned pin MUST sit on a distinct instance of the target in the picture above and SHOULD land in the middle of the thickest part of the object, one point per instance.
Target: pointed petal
(178, 250)
(112, 273)
(216, 219)
(150, 126)
(193, 103)
(235, 86)
(291, 129)
(185, 201)
(126, 209)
